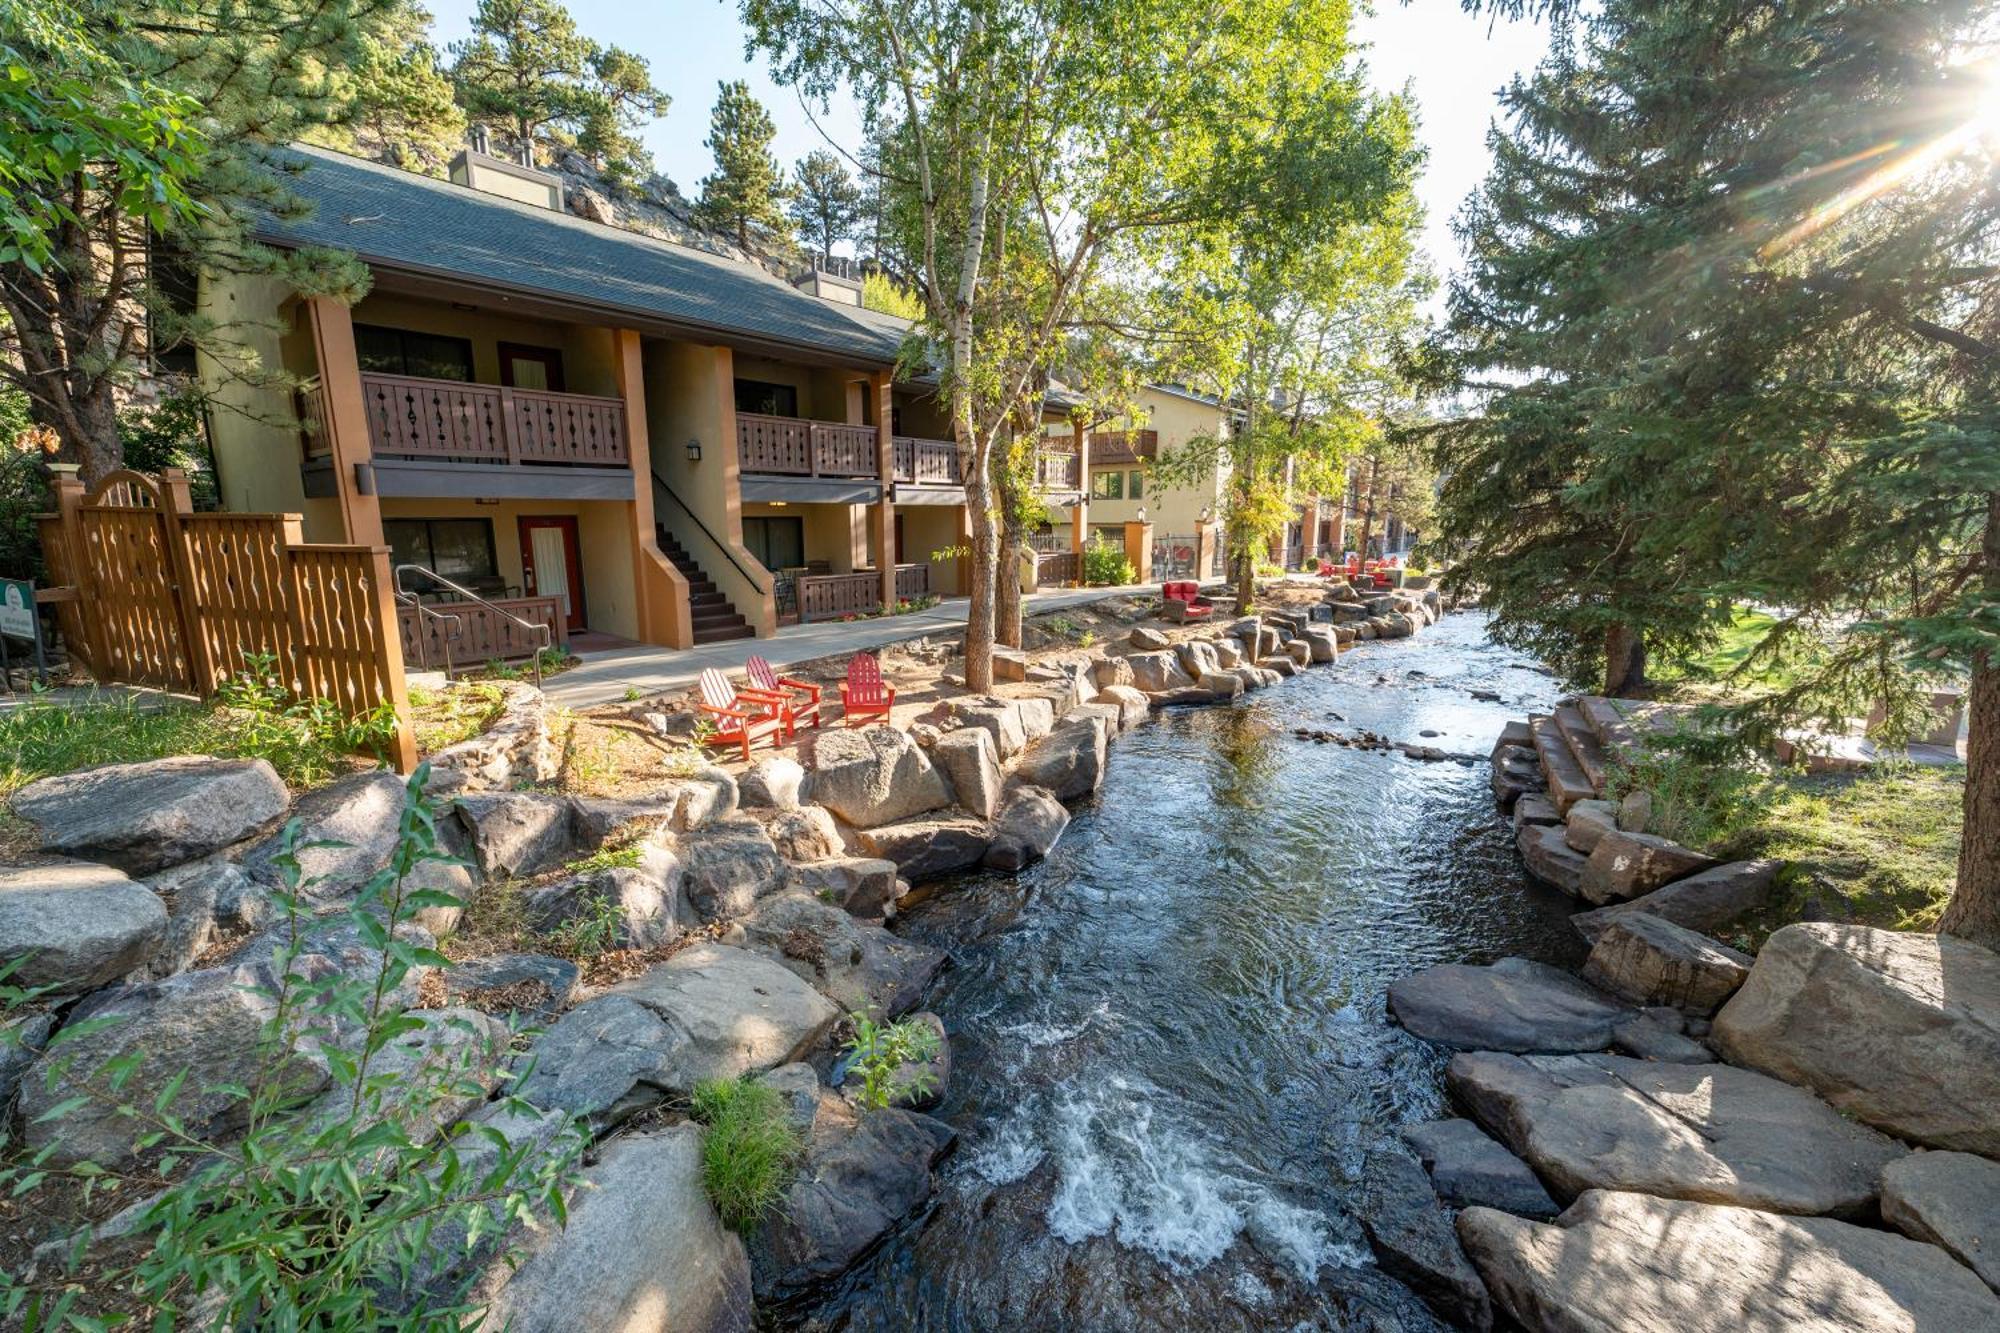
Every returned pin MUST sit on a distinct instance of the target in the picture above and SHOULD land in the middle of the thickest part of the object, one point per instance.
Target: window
(461, 549)
(778, 543)
(433, 356)
(1136, 485)
(766, 398)
(1107, 485)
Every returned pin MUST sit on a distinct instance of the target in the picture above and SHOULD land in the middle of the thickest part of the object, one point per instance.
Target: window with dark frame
(767, 399)
(1135, 488)
(1107, 485)
(461, 549)
(432, 356)
(777, 542)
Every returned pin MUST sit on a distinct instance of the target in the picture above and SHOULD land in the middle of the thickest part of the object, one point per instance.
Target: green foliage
(825, 203)
(592, 932)
(1105, 565)
(318, 1219)
(744, 196)
(458, 712)
(748, 1150)
(879, 1051)
(880, 292)
(405, 99)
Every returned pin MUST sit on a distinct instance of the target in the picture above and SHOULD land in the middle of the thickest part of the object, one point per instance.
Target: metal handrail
(448, 637)
(535, 627)
(720, 544)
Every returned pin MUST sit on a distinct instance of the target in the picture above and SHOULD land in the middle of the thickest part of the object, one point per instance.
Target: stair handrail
(455, 626)
(535, 627)
(720, 544)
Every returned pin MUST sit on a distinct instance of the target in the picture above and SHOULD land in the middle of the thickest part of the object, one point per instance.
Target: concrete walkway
(606, 677)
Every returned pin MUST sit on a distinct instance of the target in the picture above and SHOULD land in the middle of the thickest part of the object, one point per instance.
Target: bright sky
(1454, 64)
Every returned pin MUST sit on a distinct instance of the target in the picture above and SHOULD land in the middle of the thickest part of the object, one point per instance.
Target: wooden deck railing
(913, 582)
(411, 417)
(1053, 567)
(476, 634)
(831, 596)
(1123, 446)
(794, 447)
(927, 462)
(1058, 471)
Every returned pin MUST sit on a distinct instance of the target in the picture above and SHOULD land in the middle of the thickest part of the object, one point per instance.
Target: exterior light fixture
(694, 450)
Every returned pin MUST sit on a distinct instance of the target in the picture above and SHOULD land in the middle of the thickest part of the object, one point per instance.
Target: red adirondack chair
(742, 718)
(1181, 602)
(862, 694)
(799, 698)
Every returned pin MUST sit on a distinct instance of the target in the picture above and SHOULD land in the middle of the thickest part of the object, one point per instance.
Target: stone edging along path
(1807, 1138)
(757, 906)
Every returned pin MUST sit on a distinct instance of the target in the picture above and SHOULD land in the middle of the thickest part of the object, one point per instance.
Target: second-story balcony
(921, 462)
(1059, 471)
(793, 459)
(1124, 446)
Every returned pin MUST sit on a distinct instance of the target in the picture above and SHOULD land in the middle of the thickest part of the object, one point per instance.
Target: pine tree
(744, 196)
(407, 104)
(826, 203)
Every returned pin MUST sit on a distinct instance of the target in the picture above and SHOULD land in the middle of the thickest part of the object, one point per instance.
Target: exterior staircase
(715, 618)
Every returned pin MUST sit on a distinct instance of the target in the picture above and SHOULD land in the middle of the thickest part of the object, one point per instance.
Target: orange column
(346, 422)
(885, 510)
(1139, 549)
(664, 615)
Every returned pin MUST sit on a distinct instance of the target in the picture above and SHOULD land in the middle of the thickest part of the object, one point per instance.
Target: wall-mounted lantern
(694, 450)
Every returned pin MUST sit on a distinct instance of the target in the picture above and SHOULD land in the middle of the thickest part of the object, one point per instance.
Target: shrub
(877, 1051)
(1105, 565)
(307, 1221)
(748, 1149)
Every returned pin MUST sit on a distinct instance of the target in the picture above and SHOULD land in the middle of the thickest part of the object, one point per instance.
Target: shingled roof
(399, 220)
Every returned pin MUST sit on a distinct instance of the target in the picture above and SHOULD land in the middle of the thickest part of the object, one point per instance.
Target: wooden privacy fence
(151, 593)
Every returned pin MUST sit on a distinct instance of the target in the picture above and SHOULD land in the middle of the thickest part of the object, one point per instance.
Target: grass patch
(460, 711)
(748, 1149)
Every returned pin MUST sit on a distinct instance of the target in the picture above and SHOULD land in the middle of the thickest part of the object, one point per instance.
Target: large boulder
(1224, 685)
(862, 1174)
(1028, 827)
(534, 987)
(802, 834)
(1897, 1029)
(1149, 640)
(604, 1061)
(347, 832)
(1706, 902)
(860, 967)
(1110, 671)
(514, 834)
(1197, 658)
(146, 816)
(642, 1251)
(731, 1011)
(866, 886)
(1588, 822)
(1547, 856)
(1950, 1199)
(1130, 703)
(1322, 643)
(773, 782)
(1469, 1169)
(206, 900)
(76, 925)
(1158, 672)
(1516, 772)
(1000, 718)
(929, 846)
(729, 866)
(1705, 1132)
(1413, 1241)
(1069, 761)
(21, 1043)
(1637, 1264)
(1650, 961)
(874, 776)
(422, 1079)
(1624, 865)
(1512, 1005)
(618, 907)
(969, 758)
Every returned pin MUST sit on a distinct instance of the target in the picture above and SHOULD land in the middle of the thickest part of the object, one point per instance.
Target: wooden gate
(156, 594)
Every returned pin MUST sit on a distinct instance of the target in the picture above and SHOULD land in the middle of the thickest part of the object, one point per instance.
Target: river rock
(1512, 1005)
(1624, 865)
(1637, 1264)
(633, 907)
(1156, 672)
(1647, 1038)
(863, 885)
(1197, 658)
(1069, 761)
(1650, 961)
(643, 1251)
(515, 834)
(999, 717)
(1413, 1241)
(1516, 772)
(1704, 902)
(1030, 823)
(1588, 822)
(1110, 671)
(1949, 1199)
(1279, 663)
(534, 986)
(1898, 1029)
(1228, 654)
(146, 816)
(1130, 703)
(930, 846)
(729, 866)
(773, 782)
(75, 924)
(874, 776)
(860, 967)
(21, 1041)
(802, 834)
(1323, 644)
(1705, 1132)
(1535, 810)
(604, 1061)
(1223, 685)
(1038, 716)
(1468, 1170)
(1300, 652)
(347, 832)
(863, 1173)
(1185, 695)
(1148, 640)
(1548, 857)
(970, 760)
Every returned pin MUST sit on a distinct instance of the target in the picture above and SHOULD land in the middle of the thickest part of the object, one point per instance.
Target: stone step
(1583, 744)
(1567, 782)
(1607, 723)
(722, 633)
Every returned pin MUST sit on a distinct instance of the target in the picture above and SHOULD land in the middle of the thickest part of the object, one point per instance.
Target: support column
(1139, 549)
(885, 511)
(1079, 514)
(661, 591)
(1308, 530)
(1204, 550)
(346, 424)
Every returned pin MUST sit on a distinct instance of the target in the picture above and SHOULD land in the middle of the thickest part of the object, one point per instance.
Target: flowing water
(1171, 1055)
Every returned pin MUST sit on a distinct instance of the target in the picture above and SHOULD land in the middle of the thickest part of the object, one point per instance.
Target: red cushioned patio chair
(862, 694)
(742, 717)
(799, 698)
(1182, 602)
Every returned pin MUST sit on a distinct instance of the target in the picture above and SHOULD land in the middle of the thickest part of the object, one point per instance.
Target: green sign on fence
(17, 608)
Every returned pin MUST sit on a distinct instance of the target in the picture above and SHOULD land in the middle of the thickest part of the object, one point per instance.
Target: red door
(552, 564)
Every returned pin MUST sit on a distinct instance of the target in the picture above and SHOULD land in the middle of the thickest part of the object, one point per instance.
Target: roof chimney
(476, 167)
(481, 142)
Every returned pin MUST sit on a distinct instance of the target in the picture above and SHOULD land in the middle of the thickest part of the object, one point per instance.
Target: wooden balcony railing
(913, 582)
(831, 596)
(1058, 471)
(409, 417)
(794, 447)
(467, 633)
(927, 462)
(1123, 446)
(1053, 567)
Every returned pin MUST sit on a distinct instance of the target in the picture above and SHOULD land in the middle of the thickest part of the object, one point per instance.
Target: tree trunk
(1007, 592)
(1974, 910)
(1624, 661)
